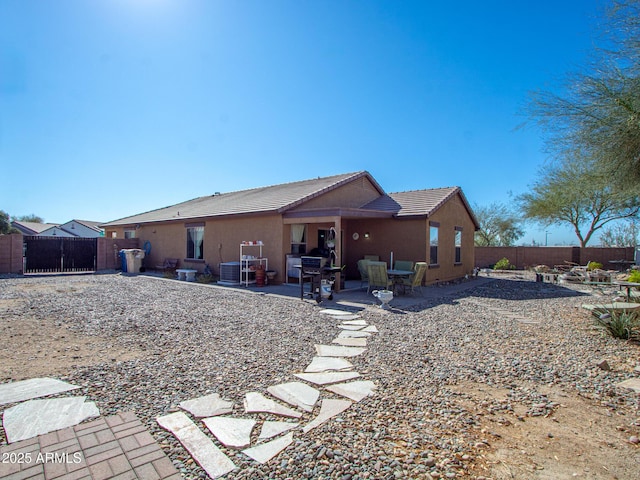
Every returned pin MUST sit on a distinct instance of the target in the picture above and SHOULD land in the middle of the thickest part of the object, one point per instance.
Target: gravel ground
(197, 340)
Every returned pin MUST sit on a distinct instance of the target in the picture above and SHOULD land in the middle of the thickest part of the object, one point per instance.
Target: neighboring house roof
(274, 198)
(32, 228)
(95, 226)
(419, 202)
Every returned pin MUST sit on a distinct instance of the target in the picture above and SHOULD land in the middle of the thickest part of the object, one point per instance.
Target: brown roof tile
(275, 198)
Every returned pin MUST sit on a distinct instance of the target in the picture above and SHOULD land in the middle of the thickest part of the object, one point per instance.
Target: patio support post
(337, 225)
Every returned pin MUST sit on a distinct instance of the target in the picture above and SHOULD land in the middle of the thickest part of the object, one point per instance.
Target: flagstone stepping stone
(207, 406)
(353, 334)
(232, 432)
(335, 311)
(256, 402)
(323, 364)
(338, 351)
(355, 322)
(271, 429)
(201, 448)
(370, 329)
(351, 342)
(14, 392)
(350, 327)
(37, 417)
(266, 451)
(296, 393)
(631, 383)
(329, 408)
(345, 317)
(327, 378)
(354, 390)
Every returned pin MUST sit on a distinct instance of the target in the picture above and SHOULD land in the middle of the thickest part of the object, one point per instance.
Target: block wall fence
(524, 257)
(11, 250)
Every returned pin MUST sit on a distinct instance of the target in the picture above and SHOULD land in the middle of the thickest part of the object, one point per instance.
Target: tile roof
(418, 202)
(33, 226)
(274, 198)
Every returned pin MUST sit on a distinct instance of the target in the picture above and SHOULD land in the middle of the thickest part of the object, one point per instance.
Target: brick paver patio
(117, 447)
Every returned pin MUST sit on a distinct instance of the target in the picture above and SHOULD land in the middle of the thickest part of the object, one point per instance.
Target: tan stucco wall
(222, 238)
(408, 239)
(405, 238)
(452, 214)
(352, 195)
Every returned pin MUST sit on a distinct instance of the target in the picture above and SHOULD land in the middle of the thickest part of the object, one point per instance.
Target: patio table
(397, 276)
(628, 286)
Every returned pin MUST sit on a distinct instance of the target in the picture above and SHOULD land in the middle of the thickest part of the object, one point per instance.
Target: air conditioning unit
(229, 273)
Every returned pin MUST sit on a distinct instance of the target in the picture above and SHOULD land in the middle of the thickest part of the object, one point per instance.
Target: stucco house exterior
(432, 225)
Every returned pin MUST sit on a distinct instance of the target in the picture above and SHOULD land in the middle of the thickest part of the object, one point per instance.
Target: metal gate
(59, 254)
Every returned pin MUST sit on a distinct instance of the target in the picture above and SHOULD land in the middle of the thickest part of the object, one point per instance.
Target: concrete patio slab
(350, 342)
(296, 393)
(356, 391)
(370, 329)
(207, 406)
(327, 378)
(256, 402)
(271, 429)
(338, 351)
(22, 390)
(231, 432)
(37, 417)
(199, 446)
(266, 451)
(329, 408)
(323, 364)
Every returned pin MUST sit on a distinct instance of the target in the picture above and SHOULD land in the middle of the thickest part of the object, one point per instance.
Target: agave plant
(624, 324)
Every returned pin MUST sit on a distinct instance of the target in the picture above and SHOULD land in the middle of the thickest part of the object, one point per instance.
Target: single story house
(75, 228)
(32, 228)
(72, 228)
(349, 214)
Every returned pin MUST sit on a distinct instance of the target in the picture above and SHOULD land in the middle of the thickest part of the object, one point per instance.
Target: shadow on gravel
(505, 289)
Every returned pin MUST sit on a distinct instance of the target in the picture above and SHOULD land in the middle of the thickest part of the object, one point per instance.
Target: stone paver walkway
(327, 370)
(117, 447)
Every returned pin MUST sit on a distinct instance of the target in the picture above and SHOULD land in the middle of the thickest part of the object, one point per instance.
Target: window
(129, 234)
(433, 243)
(195, 243)
(458, 244)
(298, 238)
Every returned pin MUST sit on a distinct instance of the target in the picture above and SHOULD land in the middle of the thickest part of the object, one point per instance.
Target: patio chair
(362, 268)
(415, 280)
(403, 265)
(378, 276)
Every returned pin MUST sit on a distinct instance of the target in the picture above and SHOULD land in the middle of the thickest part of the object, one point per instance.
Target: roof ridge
(426, 189)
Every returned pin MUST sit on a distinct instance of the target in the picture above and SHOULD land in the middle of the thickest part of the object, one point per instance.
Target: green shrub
(594, 266)
(620, 324)
(504, 264)
(634, 276)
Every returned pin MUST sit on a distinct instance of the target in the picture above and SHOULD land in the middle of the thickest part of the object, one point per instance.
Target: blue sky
(114, 107)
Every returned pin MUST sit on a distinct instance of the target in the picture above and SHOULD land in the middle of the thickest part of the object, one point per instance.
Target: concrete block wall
(11, 253)
(108, 248)
(524, 257)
